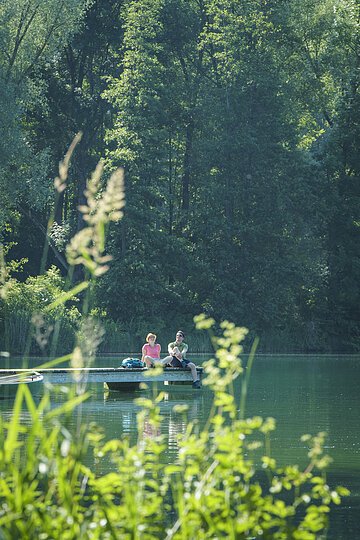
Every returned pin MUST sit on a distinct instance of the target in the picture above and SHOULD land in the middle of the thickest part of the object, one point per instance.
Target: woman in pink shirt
(151, 350)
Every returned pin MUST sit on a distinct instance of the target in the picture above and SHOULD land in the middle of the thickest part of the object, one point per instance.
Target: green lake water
(305, 394)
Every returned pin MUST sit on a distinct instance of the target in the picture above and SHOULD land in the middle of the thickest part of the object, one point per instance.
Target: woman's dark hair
(181, 333)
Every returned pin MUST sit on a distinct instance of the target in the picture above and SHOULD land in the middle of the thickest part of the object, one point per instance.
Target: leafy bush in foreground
(47, 491)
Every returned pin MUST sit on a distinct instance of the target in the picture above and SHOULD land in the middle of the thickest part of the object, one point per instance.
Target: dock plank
(109, 374)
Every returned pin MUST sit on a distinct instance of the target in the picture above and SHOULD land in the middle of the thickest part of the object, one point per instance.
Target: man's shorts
(175, 362)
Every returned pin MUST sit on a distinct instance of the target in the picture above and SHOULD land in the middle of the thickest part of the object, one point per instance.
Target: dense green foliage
(26, 303)
(50, 488)
(50, 482)
(237, 125)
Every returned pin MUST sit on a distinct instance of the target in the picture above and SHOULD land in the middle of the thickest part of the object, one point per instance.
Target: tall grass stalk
(246, 378)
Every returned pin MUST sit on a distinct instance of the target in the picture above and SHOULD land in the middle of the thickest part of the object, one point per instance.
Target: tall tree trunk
(171, 202)
(185, 199)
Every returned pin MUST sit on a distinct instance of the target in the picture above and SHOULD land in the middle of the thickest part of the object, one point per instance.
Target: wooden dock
(110, 375)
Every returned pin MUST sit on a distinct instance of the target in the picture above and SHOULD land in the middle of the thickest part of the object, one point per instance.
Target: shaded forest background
(238, 127)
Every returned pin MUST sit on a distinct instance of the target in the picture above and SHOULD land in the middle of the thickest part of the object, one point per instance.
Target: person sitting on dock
(177, 357)
(151, 350)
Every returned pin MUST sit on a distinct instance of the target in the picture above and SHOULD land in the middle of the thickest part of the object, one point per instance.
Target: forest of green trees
(238, 125)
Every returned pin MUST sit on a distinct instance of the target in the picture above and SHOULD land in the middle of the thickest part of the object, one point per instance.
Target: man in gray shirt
(177, 357)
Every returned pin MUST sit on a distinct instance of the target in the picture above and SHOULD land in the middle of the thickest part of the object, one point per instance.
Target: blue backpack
(132, 363)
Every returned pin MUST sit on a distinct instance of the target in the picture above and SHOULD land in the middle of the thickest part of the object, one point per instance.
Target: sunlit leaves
(33, 30)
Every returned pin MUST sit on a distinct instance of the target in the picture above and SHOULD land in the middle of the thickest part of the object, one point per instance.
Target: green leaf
(62, 298)
(68, 406)
(11, 441)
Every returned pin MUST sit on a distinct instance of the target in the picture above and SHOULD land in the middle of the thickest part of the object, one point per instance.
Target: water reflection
(121, 414)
